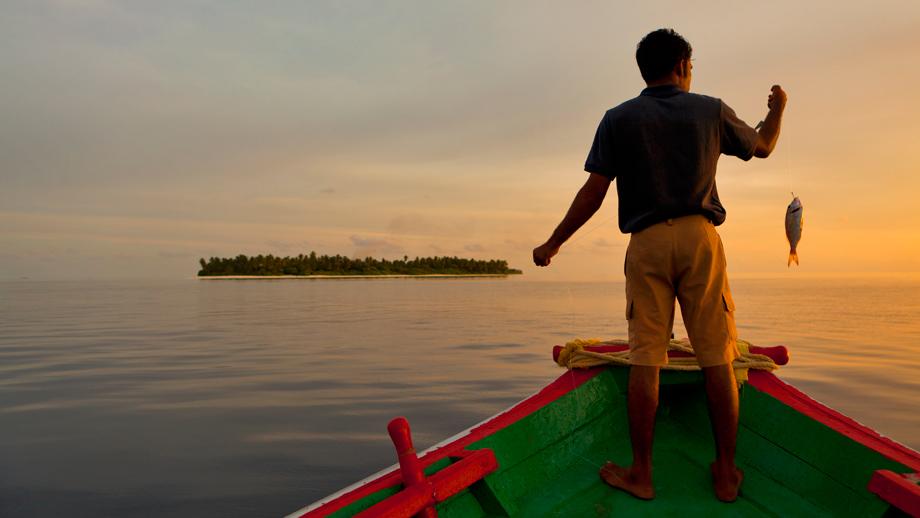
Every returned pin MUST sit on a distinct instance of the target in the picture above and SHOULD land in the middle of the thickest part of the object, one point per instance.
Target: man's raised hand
(777, 98)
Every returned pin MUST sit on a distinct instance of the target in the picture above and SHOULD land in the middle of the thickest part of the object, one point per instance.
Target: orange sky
(136, 139)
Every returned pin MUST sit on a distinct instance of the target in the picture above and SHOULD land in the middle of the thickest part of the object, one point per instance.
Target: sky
(139, 136)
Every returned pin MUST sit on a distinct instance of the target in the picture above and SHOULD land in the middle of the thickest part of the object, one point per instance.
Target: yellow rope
(574, 356)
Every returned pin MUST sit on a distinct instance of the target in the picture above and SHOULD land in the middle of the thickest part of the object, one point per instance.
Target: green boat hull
(548, 457)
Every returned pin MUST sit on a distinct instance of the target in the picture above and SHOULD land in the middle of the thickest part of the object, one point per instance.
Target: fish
(794, 223)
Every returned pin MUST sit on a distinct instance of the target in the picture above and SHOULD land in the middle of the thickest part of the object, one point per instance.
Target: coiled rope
(575, 356)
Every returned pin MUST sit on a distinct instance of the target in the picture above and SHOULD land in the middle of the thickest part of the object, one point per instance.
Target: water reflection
(240, 398)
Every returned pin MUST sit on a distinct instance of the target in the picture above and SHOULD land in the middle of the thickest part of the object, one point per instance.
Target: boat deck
(799, 458)
(794, 466)
(682, 482)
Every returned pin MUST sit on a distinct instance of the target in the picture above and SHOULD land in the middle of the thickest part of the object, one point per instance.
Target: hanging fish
(794, 222)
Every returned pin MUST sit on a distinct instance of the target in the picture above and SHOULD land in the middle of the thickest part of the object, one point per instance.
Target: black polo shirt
(662, 148)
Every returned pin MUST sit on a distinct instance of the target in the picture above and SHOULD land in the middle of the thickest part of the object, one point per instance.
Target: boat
(541, 457)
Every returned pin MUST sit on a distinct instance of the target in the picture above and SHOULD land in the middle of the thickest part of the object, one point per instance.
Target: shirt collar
(662, 91)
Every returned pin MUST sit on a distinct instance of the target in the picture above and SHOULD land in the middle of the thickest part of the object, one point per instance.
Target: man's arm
(585, 204)
(769, 132)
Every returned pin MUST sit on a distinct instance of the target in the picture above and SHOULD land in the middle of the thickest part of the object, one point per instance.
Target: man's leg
(722, 395)
(643, 403)
(708, 311)
(650, 314)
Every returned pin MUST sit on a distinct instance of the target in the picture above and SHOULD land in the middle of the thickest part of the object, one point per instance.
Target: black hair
(659, 52)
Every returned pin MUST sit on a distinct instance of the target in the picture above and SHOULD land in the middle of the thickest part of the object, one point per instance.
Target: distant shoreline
(383, 276)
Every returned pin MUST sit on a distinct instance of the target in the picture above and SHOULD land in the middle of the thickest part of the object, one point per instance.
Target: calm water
(254, 398)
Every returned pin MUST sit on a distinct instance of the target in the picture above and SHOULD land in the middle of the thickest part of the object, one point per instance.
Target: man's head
(664, 57)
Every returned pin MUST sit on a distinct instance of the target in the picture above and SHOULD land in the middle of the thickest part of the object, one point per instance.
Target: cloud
(604, 243)
(445, 123)
(375, 246)
(517, 244)
(289, 246)
(175, 255)
(474, 247)
(411, 223)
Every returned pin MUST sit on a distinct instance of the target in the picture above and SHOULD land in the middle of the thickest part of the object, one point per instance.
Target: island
(338, 266)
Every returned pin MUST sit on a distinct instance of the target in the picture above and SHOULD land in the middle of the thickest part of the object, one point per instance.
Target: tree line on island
(312, 264)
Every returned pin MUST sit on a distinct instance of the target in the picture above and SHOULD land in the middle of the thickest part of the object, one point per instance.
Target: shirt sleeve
(600, 158)
(738, 139)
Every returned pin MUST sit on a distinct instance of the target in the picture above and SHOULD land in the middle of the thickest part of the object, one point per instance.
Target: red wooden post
(901, 491)
(409, 466)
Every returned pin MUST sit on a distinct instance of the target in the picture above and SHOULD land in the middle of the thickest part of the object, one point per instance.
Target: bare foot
(726, 483)
(625, 479)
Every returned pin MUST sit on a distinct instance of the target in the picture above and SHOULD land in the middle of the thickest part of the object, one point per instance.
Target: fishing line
(789, 158)
(570, 310)
(588, 461)
(572, 326)
(570, 315)
(599, 225)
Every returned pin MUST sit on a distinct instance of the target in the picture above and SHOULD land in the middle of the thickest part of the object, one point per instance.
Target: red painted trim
(897, 490)
(417, 498)
(401, 505)
(410, 469)
(799, 401)
(558, 388)
(457, 477)
(779, 354)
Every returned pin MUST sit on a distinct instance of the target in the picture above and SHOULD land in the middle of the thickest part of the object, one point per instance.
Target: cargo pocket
(728, 302)
(730, 321)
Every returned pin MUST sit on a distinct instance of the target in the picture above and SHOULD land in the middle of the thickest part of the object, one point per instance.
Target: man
(662, 148)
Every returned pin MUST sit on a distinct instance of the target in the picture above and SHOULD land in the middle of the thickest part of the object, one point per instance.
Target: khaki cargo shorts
(682, 258)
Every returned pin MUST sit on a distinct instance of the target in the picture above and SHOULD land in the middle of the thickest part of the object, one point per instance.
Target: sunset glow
(137, 138)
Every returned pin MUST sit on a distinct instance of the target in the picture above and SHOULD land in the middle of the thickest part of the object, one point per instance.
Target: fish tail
(793, 257)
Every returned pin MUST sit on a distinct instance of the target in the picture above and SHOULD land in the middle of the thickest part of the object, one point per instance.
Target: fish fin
(793, 256)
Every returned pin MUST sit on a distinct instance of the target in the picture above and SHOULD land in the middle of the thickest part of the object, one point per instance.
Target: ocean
(257, 397)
